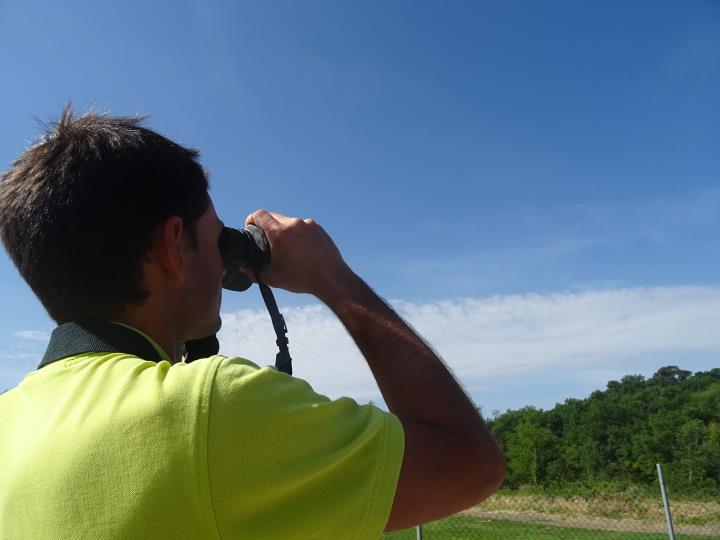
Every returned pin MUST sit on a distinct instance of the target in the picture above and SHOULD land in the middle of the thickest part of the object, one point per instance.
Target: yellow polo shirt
(110, 446)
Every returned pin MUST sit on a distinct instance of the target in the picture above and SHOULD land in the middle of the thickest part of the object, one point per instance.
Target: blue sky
(529, 168)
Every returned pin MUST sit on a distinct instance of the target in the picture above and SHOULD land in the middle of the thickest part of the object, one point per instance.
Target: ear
(167, 249)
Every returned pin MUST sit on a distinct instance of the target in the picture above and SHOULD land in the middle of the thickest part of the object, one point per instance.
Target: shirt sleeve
(286, 462)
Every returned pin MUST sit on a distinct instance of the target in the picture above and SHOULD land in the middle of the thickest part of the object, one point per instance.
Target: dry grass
(607, 512)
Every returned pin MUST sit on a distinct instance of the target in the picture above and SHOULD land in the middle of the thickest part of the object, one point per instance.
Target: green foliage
(616, 436)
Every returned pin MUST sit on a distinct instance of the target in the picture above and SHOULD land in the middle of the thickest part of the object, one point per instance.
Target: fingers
(264, 219)
(272, 220)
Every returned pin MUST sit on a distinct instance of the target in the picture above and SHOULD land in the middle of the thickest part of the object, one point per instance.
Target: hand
(303, 259)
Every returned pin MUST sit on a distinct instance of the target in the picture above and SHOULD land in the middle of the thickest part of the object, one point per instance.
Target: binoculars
(247, 247)
(250, 248)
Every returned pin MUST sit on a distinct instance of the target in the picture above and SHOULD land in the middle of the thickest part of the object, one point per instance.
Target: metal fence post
(666, 503)
(419, 532)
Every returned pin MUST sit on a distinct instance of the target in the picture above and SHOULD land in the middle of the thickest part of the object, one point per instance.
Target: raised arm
(451, 462)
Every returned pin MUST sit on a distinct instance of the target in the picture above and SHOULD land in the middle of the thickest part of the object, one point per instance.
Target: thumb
(249, 273)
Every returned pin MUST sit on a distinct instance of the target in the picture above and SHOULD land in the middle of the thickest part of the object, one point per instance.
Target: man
(114, 436)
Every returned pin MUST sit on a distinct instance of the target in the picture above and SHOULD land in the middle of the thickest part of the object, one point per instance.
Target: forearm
(413, 380)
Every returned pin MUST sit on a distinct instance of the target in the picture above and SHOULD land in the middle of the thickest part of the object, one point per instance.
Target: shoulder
(269, 397)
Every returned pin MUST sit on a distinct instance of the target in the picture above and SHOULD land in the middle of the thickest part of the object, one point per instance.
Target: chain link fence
(531, 514)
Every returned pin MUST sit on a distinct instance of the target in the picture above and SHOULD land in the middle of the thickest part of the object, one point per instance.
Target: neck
(164, 332)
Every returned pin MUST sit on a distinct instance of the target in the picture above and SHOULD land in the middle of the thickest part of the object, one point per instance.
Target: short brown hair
(78, 208)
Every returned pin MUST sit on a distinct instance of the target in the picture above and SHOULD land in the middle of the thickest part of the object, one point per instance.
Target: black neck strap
(79, 337)
(283, 362)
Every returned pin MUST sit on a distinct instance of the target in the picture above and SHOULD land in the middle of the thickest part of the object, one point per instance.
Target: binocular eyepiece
(247, 247)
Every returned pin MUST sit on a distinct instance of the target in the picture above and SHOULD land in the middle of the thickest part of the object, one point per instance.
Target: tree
(529, 450)
(619, 434)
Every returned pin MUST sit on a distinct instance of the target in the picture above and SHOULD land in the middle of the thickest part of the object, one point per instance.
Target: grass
(612, 506)
(465, 527)
(624, 515)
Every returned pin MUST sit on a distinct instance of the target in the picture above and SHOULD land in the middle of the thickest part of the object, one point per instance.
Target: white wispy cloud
(34, 335)
(507, 351)
(484, 339)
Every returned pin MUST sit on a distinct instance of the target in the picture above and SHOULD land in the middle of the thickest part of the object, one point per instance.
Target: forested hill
(619, 434)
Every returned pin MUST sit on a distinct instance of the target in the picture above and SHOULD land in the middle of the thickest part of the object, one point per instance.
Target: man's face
(205, 271)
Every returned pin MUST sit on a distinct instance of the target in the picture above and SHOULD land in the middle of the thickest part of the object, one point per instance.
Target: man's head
(79, 208)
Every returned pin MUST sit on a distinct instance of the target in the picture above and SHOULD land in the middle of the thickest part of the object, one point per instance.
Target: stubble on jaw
(211, 322)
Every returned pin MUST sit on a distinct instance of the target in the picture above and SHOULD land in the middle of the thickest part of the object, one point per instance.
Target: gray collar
(77, 337)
